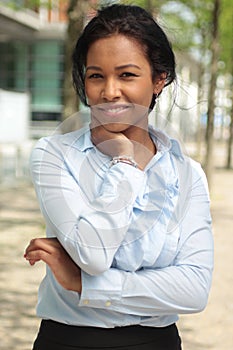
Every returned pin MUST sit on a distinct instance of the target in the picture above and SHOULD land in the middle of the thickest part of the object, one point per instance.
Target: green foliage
(188, 24)
(13, 5)
(187, 21)
(226, 35)
(27, 4)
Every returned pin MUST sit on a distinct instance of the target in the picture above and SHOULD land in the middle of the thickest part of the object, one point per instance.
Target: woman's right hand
(111, 143)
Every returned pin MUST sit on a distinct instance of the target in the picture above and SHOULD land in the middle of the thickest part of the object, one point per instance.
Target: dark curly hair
(133, 22)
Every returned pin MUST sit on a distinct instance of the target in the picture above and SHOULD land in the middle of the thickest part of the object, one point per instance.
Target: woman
(129, 242)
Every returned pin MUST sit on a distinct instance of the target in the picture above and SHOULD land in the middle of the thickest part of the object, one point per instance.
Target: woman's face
(118, 81)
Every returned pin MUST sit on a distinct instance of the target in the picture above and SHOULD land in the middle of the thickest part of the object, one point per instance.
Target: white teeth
(115, 110)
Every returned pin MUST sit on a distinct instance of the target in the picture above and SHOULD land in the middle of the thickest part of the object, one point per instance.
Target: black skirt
(57, 336)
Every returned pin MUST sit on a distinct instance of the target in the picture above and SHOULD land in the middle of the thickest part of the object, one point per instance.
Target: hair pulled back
(135, 23)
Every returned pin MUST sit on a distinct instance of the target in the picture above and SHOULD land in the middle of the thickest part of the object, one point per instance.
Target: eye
(128, 75)
(94, 76)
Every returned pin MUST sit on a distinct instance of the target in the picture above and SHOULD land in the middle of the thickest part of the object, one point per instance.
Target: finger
(33, 245)
(48, 250)
(38, 255)
(32, 262)
(46, 244)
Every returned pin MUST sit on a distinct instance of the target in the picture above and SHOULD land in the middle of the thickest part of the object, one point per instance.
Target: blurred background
(36, 95)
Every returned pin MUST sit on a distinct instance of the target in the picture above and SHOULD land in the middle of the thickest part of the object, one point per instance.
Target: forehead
(116, 46)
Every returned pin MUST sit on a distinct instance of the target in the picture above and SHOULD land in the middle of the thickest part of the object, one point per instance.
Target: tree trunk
(230, 139)
(212, 88)
(201, 84)
(199, 134)
(76, 14)
(149, 6)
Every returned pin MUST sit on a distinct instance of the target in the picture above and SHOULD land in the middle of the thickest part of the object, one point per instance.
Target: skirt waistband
(104, 337)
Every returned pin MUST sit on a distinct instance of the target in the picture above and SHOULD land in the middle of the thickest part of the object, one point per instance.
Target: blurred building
(31, 78)
(31, 54)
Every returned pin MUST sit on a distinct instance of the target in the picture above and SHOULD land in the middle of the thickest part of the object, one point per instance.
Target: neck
(144, 147)
(140, 136)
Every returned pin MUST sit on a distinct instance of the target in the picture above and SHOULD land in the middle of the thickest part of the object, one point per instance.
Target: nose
(111, 90)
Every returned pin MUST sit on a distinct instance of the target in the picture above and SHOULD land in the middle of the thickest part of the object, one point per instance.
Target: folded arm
(181, 287)
(90, 229)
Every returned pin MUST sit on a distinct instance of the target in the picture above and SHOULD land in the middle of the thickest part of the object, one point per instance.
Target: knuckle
(35, 242)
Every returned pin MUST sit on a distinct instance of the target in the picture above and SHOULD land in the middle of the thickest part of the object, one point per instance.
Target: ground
(20, 221)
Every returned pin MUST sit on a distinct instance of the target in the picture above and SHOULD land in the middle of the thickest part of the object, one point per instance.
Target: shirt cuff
(124, 172)
(95, 292)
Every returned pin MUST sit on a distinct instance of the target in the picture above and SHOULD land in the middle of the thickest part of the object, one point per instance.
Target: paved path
(213, 328)
(20, 220)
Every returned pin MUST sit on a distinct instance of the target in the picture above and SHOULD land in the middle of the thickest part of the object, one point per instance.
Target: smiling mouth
(113, 110)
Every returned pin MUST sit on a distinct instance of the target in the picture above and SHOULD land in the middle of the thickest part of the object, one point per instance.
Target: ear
(159, 83)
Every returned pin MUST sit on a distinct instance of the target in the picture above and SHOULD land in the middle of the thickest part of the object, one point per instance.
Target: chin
(116, 127)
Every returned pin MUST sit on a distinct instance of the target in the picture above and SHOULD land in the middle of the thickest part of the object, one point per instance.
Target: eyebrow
(130, 65)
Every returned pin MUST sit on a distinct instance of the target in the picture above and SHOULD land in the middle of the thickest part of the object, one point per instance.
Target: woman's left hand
(49, 250)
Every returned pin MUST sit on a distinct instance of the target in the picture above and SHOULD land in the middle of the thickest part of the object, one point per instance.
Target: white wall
(14, 117)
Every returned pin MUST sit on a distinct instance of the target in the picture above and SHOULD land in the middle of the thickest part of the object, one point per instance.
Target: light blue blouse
(142, 238)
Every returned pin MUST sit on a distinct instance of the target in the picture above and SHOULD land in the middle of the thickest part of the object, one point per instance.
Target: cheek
(87, 88)
(91, 92)
(144, 95)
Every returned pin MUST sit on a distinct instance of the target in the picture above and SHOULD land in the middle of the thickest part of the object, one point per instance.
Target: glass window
(46, 75)
(35, 67)
(13, 66)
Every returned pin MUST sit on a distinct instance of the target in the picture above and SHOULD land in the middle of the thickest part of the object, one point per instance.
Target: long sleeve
(87, 209)
(142, 239)
(181, 287)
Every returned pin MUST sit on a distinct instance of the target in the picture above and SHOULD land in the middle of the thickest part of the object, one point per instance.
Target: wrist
(126, 160)
(75, 285)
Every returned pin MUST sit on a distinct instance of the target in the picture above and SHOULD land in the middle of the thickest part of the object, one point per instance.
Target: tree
(226, 56)
(212, 89)
(194, 19)
(230, 139)
(76, 14)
